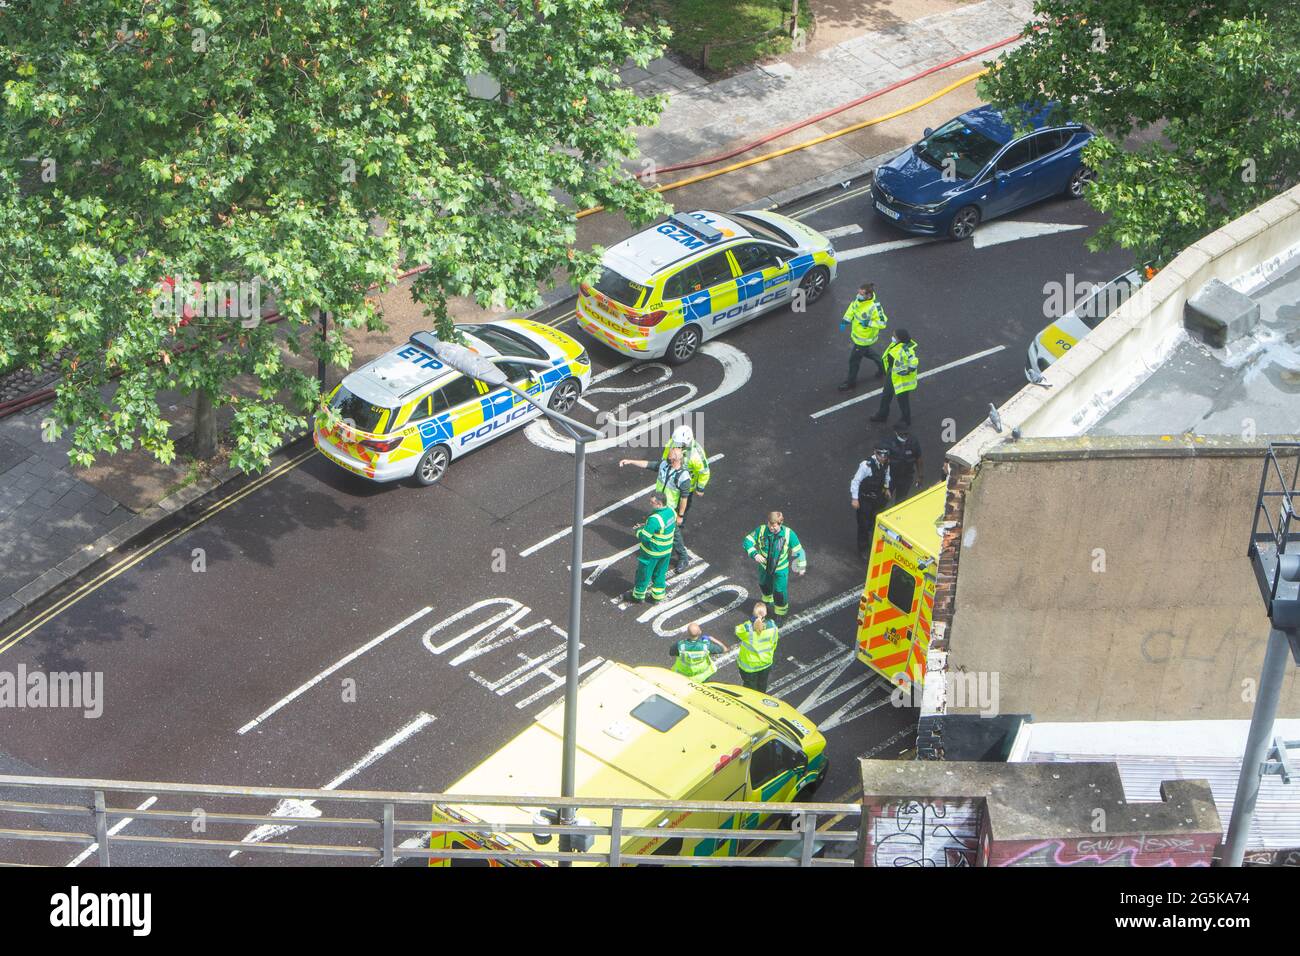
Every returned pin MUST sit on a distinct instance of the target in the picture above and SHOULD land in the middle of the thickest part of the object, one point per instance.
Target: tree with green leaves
(1196, 106)
(169, 163)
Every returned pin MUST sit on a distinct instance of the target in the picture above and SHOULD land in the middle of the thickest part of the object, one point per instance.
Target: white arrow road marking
(988, 234)
(934, 371)
(996, 233)
(113, 831)
(845, 255)
(302, 689)
(564, 532)
(736, 370)
(307, 808)
(852, 229)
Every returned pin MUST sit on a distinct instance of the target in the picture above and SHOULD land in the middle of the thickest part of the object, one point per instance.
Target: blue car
(974, 168)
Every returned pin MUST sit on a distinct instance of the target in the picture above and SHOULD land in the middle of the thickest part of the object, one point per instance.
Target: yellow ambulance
(897, 603)
(645, 733)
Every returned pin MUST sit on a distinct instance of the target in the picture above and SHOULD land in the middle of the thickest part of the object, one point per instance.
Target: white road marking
(736, 370)
(885, 744)
(934, 371)
(602, 564)
(797, 621)
(114, 830)
(302, 689)
(852, 229)
(996, 233)
(844, 255)
(564, 532)
(307, 808)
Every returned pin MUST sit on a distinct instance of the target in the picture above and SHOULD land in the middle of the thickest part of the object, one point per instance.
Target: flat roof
(1149, 752)
(1206, 391)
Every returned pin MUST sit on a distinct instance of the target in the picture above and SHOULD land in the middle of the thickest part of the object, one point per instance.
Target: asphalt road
(321, 631)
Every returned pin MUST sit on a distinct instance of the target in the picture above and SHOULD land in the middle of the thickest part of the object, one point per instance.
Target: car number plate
(887, 211)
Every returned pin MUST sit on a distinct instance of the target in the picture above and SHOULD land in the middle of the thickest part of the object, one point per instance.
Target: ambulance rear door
(897, 603)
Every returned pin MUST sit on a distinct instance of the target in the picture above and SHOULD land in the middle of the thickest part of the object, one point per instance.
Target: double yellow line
(127, 563)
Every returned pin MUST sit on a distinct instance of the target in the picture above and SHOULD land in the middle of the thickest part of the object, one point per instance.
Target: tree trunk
(205, 426)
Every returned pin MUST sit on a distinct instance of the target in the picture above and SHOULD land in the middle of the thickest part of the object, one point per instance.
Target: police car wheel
(432, 465)
(814, 284)
(684, 345)
(565, 396)
(963, 223)
(1079, 182)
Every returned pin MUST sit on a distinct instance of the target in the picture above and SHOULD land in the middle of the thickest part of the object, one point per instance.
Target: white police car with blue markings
(406, 414)
(673, 286)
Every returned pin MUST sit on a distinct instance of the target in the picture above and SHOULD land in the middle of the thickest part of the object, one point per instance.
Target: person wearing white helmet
(696, 460)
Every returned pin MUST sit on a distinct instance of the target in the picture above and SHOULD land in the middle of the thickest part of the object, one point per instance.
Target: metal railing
(375, 834)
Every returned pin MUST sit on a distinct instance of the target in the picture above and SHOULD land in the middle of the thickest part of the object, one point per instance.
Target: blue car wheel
(963, 223)
(1079, 181)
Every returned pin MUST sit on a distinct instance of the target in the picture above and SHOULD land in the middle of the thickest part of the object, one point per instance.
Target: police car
(406, 414)
(670, 288)
(1063, 334)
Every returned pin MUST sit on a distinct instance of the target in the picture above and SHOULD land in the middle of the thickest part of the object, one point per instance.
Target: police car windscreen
(505, 341)
(764, 230)
(618, 287)
(356, 411)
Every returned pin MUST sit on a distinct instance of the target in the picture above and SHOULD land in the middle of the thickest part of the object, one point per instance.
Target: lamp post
(1277, 570)
(471, 363)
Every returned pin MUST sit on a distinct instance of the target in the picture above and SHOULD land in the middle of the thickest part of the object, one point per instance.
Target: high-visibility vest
(694, 659)
(867, 320)
(900, 358)
(669, 483)
(757, 648)
(777, 548)
(656, 535)
(696, 460)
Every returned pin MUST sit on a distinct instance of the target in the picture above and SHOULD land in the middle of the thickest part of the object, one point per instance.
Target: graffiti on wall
(940, 833)
(1137, 850)
(1272, 858)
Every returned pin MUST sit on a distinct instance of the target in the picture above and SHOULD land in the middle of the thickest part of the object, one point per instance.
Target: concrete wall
(1106, 579)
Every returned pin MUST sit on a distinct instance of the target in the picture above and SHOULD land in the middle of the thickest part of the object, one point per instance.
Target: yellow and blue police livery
(670, 288)
(407, 415)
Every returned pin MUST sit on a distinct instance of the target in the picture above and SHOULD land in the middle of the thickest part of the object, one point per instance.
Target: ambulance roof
(643, 256)
(917, 519)
(400, 373)
(626, 756)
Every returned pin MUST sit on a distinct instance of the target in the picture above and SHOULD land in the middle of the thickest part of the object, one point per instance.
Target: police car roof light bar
(696, 228)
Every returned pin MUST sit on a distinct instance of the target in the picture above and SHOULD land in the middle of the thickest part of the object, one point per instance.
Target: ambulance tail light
(650, 319)
(383, 444)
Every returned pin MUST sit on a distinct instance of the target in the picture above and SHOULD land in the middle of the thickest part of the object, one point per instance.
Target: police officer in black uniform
(904, 462)
(869, 492)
